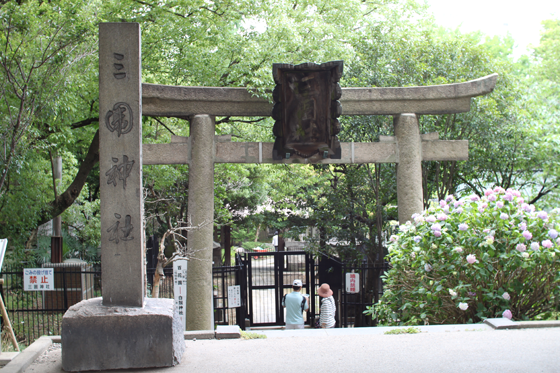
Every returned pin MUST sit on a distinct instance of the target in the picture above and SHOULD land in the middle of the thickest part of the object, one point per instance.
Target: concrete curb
(503, 323)
(221, 332)
(200, 334)
(28, 356)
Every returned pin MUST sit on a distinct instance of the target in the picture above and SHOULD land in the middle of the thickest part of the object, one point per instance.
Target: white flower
(506, 296)
(427, 267)
(525, 254)
(463, 306)
(452, 292)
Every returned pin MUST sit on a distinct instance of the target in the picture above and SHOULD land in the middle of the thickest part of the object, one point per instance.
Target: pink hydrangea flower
(437, 233)
(520, 200)
(436, 227)
(527, 235)
(506, 296)
(457, 204)
(508, 197)
(419, 219)
(523, 226)
(442, 203)
(417, 239)
(431, 219)
(521, 247)
(488, 192)
(499, 189)
(542, 215)
(446, 209)
(474, 198)
(504, 216)
(471, 258)
(459, 210)
(499, 204)
(393, 238)
(442, 217)
(553, 234)
(547, 244)
(515, 193)
(535, 246)
(507, 314)
(525, 207)
(458, 249)
(463, 227)
(449, 198)
(492, 197)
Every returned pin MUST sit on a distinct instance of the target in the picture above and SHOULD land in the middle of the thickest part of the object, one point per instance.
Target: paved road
(457, 349)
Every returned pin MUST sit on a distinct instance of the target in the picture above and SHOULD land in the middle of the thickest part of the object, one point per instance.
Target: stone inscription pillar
(409, 168)
(120, 163)
(122, 330)
(201, 211)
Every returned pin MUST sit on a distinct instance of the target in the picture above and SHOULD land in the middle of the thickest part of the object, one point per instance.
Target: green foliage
(252, 335)
(548, 51)
(465, 261)
(411, 330)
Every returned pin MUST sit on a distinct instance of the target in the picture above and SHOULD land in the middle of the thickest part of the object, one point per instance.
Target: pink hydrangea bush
(494, 256)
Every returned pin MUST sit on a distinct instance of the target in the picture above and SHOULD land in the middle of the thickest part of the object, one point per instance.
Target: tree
(44, 49)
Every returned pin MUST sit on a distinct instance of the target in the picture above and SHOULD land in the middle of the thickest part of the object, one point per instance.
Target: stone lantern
(306, 110)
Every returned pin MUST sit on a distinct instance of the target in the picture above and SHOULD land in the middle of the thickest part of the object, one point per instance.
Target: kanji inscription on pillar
(120, 159)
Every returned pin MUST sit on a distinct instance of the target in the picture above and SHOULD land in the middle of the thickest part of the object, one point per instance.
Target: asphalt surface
(452, 348)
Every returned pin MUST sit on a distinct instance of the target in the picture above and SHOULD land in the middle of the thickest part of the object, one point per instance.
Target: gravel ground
(476, 350)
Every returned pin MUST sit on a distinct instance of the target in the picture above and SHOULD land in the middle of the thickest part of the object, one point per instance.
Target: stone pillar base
(96, 337)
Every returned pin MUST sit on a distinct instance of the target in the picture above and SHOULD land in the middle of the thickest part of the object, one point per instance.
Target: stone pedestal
(97, 337)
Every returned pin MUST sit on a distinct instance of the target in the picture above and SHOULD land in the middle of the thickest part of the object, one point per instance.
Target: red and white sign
(352, 282)
(38, 279)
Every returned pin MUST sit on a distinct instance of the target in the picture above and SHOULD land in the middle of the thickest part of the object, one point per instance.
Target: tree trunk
(66, 199)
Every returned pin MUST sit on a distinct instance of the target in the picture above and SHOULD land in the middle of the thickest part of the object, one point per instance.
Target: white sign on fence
(180, 288)
(234, 296)
(3, 247)
(38, 279)
(352, 282)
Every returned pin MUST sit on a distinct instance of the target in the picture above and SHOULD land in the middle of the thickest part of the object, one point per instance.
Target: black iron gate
(270, 276)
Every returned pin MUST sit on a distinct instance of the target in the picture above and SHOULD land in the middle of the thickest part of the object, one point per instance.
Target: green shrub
(465, 261)
(411, 330)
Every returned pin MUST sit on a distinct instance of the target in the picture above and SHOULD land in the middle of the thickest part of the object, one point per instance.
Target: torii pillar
(409, 168)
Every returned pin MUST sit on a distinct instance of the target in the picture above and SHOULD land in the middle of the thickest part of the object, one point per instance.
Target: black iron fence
(37, 313)
(362, 287)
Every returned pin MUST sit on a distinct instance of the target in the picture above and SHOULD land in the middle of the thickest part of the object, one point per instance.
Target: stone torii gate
(127, 330)
(408, 148)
